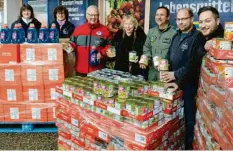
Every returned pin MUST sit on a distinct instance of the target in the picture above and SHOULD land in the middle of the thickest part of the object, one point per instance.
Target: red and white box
(10, 75)
(53, 74)
(30, 53)
(9, 53)
(14, 112)
(11, 93)
(1, 113)
(50, 92)
(31, 74)
(33, 93)
(52, 53)
(36, 112)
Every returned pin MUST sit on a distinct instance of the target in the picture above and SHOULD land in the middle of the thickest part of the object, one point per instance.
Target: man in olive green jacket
(158, 41)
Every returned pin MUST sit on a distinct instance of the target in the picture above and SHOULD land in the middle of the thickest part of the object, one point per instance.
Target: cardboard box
(10, 75)
(14, 112)
(9, 53)
(52, 53)
(36, 112)
(11, 93)
(221, 54)
(30, 53)
(34, 93)
(1, 113)
(51, 112)
(31, 75)
(53, 74)
(50, 92)
(228, 32)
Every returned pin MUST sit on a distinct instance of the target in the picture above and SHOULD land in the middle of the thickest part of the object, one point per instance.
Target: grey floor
(28, 141)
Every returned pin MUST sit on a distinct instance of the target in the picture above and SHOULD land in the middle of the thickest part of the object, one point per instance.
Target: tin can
(144, 60)
(132, 56)
(156, 60)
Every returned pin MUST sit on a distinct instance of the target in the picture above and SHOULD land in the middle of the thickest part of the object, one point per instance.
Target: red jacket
(83, 38)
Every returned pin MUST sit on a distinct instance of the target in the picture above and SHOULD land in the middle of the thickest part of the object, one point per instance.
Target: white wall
(11, 10)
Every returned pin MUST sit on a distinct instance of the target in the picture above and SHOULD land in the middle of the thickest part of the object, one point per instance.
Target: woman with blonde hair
(128, 40)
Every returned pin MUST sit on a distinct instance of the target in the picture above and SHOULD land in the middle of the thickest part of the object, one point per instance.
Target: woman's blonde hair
(132, 19)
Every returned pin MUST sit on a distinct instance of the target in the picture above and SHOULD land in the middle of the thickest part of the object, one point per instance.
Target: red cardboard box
(11, 93)
(53, 74)
(10, 75)
(1, 113)
(30, 52)
(14, 112)
(34, 93)
(50, 92)
(52, 53)
(31, 74)
(36, 112)
(9, 53)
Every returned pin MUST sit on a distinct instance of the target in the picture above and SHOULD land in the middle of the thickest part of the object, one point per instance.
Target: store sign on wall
(76, 9)
(225, 8)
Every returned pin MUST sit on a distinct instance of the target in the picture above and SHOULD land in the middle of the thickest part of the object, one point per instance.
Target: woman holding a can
(128, 43)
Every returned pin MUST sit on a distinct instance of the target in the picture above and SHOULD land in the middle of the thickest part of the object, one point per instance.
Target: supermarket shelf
(29, 127)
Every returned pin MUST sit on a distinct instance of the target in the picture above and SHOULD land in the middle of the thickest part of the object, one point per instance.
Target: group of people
(183, 48)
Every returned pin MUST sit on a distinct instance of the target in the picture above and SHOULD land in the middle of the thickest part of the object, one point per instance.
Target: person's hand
(99, 56)
(167, 76)
(208, 45)
(142, 66)
(171, 85)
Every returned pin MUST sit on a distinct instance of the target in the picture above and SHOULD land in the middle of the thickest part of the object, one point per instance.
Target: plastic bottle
(22, 34)
(93, 60)
(44, 34)
(53, 34)
(5, 34)
(32, 34)
(15, 35)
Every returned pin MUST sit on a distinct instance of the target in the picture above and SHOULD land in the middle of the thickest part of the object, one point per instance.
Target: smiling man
(158, 41)
(91, 41)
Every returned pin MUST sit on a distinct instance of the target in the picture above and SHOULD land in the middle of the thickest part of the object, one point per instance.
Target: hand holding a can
(167, 76)
(111, 52)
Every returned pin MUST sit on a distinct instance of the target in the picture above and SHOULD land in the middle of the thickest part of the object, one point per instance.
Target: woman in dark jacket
(65, 27)
(130, 38)
(26, 18)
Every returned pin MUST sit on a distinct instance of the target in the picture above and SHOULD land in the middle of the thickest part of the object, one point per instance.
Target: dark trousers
(189, 112)
(81, 74)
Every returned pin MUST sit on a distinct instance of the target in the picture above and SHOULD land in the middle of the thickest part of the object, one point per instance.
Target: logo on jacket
(153, 38)
(98, 33)
(184, 46)
(65, 31)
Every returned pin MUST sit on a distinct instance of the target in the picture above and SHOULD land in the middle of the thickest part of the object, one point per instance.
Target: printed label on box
(33, 94)
(52, 54)
(53, 74)
(53, 94)
(30, 54)
(31, 74)
(9, 75)
(54, 112)
(11, 94)
(74, 121)
(36, 113)
(103, 135)
(139, 138)
(14, 113)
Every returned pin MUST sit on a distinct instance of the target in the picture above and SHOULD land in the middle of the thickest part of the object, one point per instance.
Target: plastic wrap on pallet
(29, 75)
(214, 101)
(100, 113)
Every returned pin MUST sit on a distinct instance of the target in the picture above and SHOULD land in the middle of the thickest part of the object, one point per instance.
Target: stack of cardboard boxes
(29, 74)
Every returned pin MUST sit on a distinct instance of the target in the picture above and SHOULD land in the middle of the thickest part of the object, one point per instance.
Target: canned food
(144, 60)
(156, 60)
(120, 104)
(123, 90)
(132, 56)
(112, 52)
(228, 32)
(223, 44)
(164, 67)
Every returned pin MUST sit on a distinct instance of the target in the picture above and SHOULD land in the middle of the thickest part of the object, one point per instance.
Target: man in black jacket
(210, 27)
(183, 44)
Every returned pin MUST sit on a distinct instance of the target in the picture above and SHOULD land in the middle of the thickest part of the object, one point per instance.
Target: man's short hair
(163, 7)
(209, 8)
(189, 10)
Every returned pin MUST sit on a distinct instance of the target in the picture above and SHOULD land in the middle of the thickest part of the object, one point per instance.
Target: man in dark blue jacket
(183, 44)
(210, 27)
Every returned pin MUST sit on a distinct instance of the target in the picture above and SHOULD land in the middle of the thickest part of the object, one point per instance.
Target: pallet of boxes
(214, 119)
(29, 74)
(114, 110)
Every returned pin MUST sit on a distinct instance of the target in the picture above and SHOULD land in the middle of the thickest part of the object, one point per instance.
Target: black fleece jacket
(192, 73)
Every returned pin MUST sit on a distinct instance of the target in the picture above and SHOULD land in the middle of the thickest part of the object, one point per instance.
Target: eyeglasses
(93, 15)
(182, 19)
